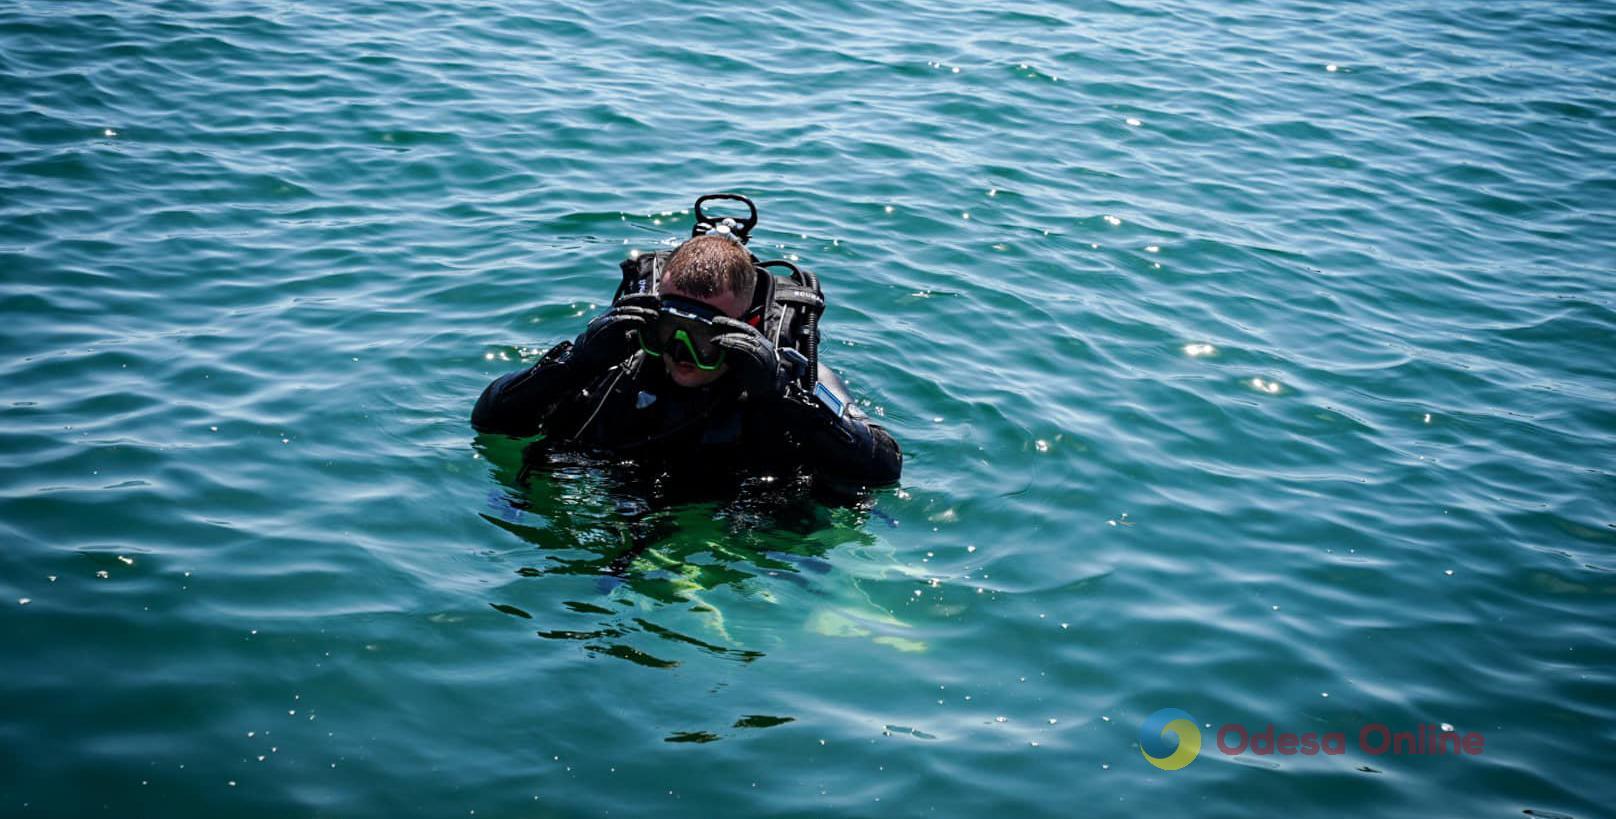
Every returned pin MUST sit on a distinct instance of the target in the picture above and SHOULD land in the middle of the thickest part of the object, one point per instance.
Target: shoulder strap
(640, 273)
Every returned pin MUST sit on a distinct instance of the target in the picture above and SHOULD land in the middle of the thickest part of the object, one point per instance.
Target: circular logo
(1169, 739)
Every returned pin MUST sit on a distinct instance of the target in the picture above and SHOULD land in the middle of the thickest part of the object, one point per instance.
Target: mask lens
(685, 337)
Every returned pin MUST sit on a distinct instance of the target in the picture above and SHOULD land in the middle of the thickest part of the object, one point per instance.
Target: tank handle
(705, 223)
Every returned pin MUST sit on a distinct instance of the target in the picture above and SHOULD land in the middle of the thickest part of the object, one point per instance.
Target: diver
(704, 372)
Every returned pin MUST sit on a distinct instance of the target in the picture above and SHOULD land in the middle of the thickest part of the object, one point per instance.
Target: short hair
(710, 265)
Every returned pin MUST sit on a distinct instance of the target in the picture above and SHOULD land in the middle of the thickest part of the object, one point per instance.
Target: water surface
(1250, 359)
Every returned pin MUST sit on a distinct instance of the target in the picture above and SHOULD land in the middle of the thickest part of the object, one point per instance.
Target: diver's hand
(751, 356)
(612, 336)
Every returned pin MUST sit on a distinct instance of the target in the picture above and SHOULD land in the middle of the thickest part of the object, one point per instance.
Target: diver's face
(684, 373)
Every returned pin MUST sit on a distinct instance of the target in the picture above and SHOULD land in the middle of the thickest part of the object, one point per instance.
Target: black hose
(812, 375)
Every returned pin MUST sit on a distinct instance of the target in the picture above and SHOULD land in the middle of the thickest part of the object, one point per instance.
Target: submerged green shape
(900, 643)
(835, 624)
(860, 622)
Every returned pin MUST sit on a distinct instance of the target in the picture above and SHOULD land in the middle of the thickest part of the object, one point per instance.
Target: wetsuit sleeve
(516, 403)
(846, 448)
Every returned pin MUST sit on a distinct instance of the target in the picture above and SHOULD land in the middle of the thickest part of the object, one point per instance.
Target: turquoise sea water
(1250, 359)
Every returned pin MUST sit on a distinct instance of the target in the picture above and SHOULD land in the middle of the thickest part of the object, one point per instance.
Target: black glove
(612, 336)
(751, 356)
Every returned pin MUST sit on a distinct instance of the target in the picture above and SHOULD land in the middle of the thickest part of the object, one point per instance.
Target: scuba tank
(786, 302)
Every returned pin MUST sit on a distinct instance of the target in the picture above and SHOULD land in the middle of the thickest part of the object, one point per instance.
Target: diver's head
(712, 271)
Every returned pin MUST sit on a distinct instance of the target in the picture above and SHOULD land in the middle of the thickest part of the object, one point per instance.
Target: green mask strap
(690, 346)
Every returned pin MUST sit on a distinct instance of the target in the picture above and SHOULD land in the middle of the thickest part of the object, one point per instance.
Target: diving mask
(684, 330)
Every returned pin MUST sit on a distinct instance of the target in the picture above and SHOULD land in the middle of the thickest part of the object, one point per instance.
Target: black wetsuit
(711, 434)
